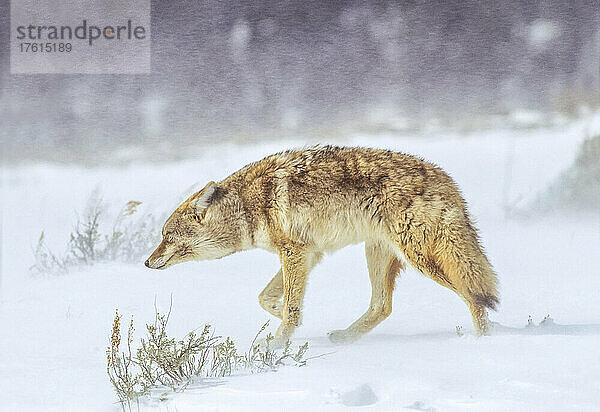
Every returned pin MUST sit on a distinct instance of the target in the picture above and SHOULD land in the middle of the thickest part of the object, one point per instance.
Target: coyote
(300, 204)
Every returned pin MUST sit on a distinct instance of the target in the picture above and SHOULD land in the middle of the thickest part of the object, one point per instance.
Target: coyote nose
(147, 263)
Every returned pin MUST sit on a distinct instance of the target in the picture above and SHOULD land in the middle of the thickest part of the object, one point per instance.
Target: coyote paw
(274, 308)
(272, 343)
(342, 337)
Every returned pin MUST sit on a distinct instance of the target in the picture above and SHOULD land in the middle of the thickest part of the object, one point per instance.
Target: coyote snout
(300, 204)
(161, 257)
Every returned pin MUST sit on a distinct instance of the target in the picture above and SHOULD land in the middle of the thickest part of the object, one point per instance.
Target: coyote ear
(202, 199)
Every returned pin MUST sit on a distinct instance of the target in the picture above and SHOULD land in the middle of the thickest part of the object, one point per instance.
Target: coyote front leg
(270, 297)
(296, 263)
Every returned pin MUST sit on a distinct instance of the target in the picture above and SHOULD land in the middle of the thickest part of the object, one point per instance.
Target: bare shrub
(130, 238)
(85, 242)
(163, 361)
(46, 261)
(119, 366)
(578, 187)
(261, 357)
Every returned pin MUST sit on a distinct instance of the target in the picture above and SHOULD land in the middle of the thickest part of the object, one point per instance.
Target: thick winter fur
(302, 203)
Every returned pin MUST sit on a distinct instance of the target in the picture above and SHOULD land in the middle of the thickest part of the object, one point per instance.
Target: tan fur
(302, 203)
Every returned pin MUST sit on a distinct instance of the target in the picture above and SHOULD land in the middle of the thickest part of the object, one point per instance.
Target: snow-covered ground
(54, 330)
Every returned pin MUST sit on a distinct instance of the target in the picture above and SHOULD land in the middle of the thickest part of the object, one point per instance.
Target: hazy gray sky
(231, 67)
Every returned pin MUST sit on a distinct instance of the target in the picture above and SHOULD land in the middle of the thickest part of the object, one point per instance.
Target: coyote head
(201, 228)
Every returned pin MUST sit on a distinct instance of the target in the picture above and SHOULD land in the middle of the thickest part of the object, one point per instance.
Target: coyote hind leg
(383, 266)
(480, 318)
(463, 269)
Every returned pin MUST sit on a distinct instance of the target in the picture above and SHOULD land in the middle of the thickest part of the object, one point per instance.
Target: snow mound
(362, 395)
(420, 406)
